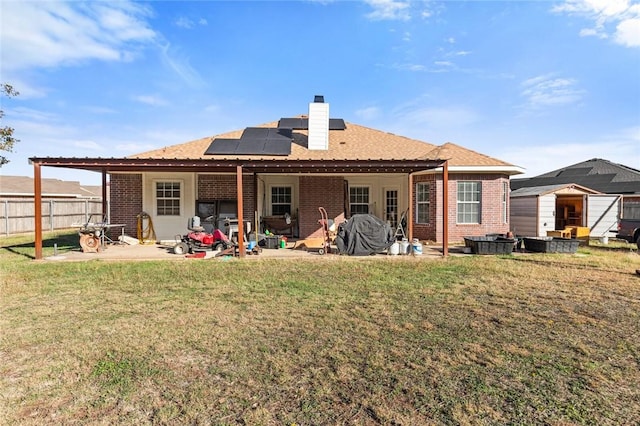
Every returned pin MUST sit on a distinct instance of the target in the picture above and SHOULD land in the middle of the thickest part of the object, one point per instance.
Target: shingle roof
(23, 186)
(598, 174)
(354, 143)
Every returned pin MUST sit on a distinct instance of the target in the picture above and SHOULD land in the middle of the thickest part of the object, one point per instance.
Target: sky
(539, 84)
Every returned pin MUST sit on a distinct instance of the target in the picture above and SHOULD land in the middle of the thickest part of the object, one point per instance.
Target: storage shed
(536, 210)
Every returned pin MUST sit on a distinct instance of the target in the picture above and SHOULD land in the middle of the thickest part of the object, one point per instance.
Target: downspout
(410, 209)
(445, 208)
(37, 200)
(240, 208)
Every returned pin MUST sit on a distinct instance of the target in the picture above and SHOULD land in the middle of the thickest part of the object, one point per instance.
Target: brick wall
(319, 191)
(125, 191)
(223, 187)
(491, 205)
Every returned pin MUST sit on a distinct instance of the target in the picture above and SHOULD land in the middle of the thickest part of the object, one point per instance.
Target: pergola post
(445, 208)
(410, 210)
(240, 208)
(104, 196)
(37, 200)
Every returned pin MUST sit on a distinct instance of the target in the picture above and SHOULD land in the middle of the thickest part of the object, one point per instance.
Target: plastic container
(416, 246)
(551, 245)
(404, 246)
(394, 249)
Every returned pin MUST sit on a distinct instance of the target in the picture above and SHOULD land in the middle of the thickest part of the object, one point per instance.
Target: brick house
(291, 167)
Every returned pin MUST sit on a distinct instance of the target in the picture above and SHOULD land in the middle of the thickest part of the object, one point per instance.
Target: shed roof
(534, 191)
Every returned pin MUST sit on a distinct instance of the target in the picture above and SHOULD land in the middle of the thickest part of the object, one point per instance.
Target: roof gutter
(510, 170)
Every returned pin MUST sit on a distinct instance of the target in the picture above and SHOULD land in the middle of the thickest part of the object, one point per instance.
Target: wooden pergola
(238, 166)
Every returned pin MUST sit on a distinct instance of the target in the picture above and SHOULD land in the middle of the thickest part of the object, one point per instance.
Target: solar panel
(303, 123)
(222, 146)
(254, 141)
(294, 123)
(255, 132)
(337, 124)
(277, 147)
(248, 146)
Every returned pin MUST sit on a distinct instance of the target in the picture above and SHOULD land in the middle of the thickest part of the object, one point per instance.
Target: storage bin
(490, 245)
(551, 245)
(272, 242)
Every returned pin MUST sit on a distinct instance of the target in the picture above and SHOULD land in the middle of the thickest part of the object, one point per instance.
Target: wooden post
(445, 208)
(240, 208)
(37, 200)
(410, 210)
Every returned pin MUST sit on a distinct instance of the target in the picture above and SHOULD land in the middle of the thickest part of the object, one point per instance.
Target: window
(359, 200)
(392, 207)
(280, 200)
(168, 198)
(505, 192)
(422, 202)
(468, 202)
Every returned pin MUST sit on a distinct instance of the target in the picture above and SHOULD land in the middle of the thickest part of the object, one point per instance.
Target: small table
(562, 233)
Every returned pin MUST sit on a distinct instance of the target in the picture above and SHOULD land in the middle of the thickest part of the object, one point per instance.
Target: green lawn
(527, 339)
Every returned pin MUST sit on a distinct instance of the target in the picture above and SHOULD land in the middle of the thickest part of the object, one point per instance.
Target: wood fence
(18, 216)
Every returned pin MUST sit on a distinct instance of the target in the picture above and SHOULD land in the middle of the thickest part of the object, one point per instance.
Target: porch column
(37, 200)
(445, 208)
(240, 208)
(410, 210)
(104, 196)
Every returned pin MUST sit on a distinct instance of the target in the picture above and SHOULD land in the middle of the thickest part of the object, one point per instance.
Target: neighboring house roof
(22, 186)
(549, 189)
(355, 142)
(598, 174)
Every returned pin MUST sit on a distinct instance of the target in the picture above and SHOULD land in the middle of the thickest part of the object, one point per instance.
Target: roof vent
(318, 138)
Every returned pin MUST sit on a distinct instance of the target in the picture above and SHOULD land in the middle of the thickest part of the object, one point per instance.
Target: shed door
(546, 214)
(603, 211)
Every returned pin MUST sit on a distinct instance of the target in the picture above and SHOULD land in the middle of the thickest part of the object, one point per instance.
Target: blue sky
(540, 84)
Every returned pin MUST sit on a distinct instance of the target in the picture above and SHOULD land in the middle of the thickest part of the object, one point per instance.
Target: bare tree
(7, 141)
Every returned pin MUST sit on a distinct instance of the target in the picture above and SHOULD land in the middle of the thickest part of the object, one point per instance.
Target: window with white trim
(280, 200)
(168, 198)
(422, 202)
(358, 200)
(468, 202)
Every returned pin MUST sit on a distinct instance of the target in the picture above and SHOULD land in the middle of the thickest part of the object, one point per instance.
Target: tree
(6, 133)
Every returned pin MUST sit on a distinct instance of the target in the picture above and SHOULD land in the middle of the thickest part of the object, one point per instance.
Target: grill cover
(364, 234)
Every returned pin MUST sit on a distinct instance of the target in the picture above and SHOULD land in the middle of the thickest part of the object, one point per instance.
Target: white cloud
(436, 117)
(546, 90)
(152, 100)
(49, 34)
(133, 147)
(181, 66)
(539, 159)
(389, 10)
(368, 113)
(409, 67)
(88, 145)
(615, 19)
(183, 22)
(628, 33)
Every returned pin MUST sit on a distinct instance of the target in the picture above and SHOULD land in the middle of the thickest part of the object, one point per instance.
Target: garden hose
(146, 233)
